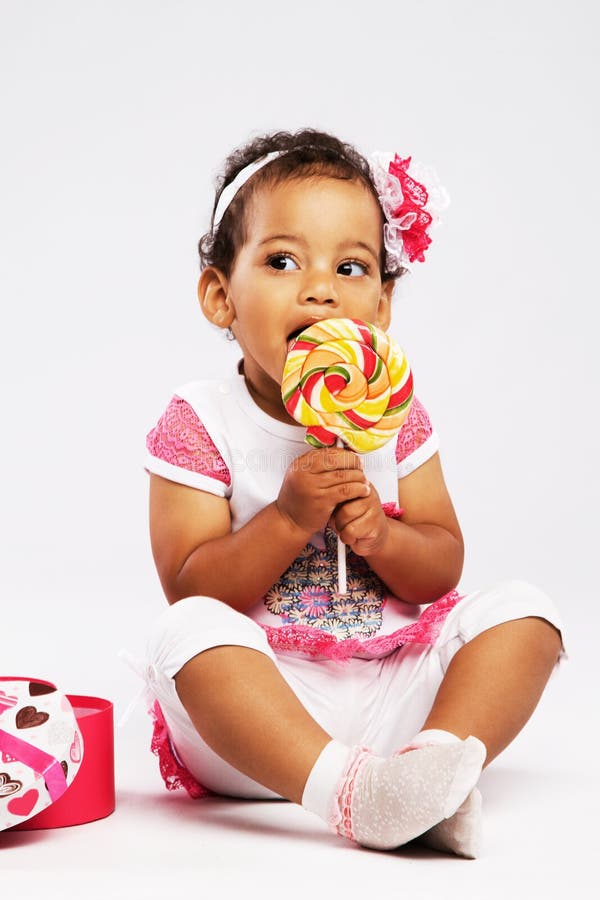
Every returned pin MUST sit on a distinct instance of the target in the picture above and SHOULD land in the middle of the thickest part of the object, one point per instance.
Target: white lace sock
(320, 790)
(460, 833)
(384, 803)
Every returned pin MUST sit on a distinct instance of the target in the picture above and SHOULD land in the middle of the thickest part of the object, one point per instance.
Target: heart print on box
(41, 748)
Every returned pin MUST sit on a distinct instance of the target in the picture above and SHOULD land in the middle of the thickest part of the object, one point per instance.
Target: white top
(214, 437)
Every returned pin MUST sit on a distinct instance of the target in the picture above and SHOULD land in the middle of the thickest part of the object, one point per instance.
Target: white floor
(540, 835)
(113, 126)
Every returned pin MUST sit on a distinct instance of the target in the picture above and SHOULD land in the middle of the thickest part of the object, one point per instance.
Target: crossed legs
(248, 715)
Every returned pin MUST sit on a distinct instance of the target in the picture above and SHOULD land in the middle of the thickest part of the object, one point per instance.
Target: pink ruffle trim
(316, 643)
(392, 510)
(174, 773)
(340, 820)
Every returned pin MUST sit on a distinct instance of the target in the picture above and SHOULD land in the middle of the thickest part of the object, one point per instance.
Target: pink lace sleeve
(416, 440)
(180, 439)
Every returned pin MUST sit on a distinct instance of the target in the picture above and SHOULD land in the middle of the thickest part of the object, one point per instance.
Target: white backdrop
(115, 117)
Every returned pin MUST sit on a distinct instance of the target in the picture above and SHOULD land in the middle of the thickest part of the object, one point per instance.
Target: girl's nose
(319, 289)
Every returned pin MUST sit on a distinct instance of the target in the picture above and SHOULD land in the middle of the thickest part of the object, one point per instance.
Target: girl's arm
(419, 557)
(196, 553)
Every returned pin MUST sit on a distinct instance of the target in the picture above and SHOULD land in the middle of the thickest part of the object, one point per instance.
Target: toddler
(375, 709)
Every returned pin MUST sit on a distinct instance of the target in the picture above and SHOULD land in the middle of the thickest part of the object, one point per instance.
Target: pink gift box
(56, 756)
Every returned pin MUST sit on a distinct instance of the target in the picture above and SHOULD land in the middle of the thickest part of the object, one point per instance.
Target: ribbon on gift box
(40, 762)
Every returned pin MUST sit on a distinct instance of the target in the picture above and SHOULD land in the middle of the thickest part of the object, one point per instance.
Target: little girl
(375, 709)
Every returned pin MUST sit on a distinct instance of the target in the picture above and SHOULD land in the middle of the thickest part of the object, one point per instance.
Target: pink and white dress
(336, 651)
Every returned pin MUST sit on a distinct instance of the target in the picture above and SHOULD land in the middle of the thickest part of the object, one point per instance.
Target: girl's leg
(249, 716)
(494, 682)
(244, 710)
(490, 689)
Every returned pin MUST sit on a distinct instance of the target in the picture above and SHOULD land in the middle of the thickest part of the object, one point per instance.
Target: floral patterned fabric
(306, 594)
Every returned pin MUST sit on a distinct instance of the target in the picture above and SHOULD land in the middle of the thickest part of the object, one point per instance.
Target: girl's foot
(461, 833)
(384, 803)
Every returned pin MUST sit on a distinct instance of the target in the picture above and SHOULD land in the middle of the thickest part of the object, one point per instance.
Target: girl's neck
(266, 393)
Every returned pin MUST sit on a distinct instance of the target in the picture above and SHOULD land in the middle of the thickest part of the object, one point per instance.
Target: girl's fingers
(341, 477)
(349, 490)
(365, 508)
(349, 512)
(329, 459)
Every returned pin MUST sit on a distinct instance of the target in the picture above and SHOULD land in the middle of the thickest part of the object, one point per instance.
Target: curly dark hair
(305, 153)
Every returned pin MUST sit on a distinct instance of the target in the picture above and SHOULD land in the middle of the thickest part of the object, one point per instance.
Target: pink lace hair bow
(412, 198)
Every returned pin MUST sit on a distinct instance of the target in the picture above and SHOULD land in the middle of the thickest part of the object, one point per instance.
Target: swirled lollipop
(346, 379)
(349, 383)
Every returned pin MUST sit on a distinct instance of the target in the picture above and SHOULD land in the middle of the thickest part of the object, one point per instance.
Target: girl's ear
(383, 316)
(213, 294)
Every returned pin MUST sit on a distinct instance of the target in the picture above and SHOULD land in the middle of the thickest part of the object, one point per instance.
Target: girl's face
(313, 252)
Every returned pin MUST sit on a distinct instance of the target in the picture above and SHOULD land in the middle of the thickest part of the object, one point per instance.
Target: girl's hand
(362, 524)
(315, 483)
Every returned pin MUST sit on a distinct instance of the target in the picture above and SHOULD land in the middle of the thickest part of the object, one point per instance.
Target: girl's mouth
(293, 335)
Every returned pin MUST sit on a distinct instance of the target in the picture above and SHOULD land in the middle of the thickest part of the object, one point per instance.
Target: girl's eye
(352, 267)
(282, 262)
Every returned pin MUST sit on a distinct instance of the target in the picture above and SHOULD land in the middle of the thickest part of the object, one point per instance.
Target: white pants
(380, 703)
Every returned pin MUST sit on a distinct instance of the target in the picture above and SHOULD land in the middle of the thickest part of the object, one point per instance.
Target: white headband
(228, 193)
(410, 195)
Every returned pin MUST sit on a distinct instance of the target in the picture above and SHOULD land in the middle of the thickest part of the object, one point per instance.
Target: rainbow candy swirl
(344, 378)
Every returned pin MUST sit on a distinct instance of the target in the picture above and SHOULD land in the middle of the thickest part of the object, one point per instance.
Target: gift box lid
(56, 756)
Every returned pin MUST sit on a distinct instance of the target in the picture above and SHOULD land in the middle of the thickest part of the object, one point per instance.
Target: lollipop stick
(341, 554)
(341, 563)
